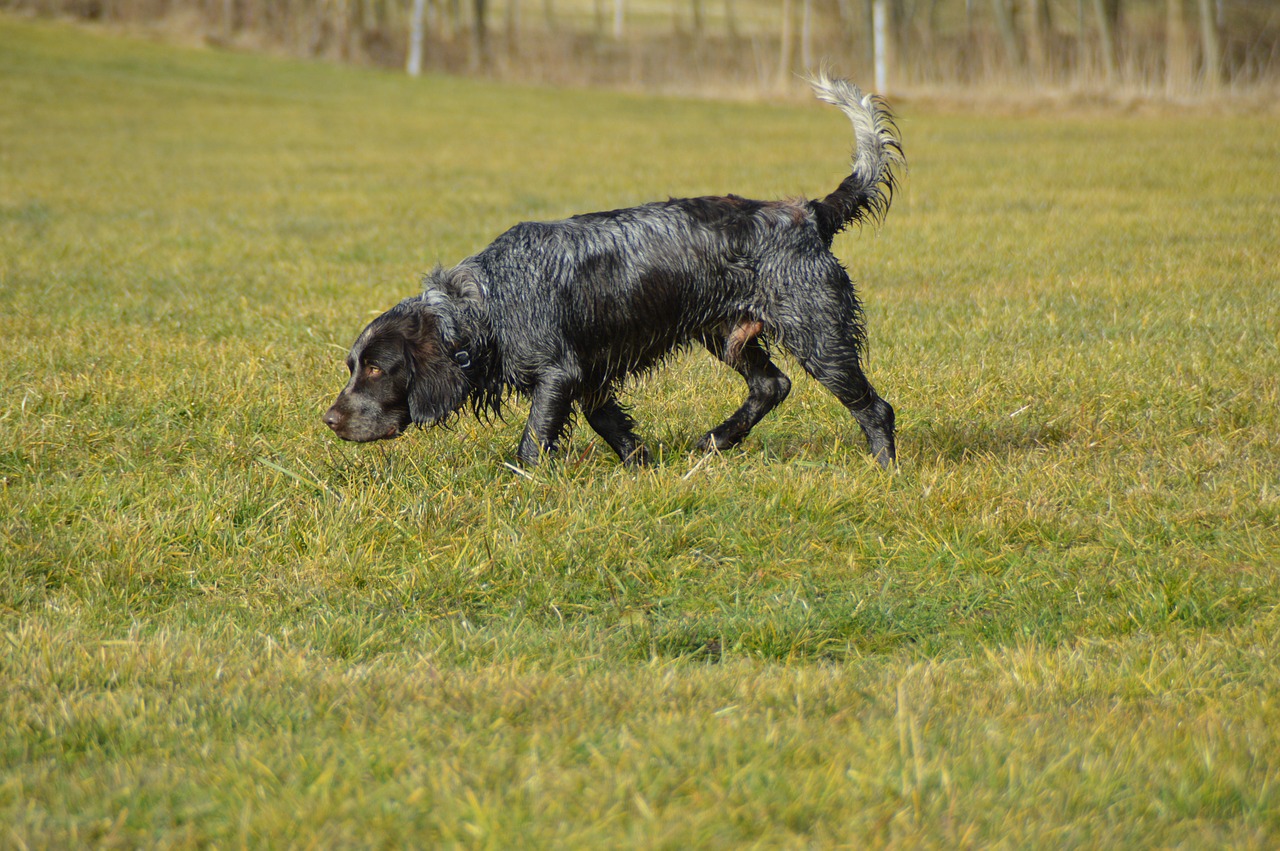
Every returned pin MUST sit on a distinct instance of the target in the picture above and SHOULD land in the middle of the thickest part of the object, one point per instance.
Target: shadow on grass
(963, 441)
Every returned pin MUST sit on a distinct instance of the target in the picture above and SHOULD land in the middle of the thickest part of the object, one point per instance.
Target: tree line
(1176, 47)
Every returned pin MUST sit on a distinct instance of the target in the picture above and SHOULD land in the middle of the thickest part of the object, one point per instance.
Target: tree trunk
(414, 63)
(1177, 53)
(451, 18)
(1003, 10)
(784, 54)
(1107, 39)
(1082, 42)
(479, 58)
(806, 35)
(1212, 46)
(881, 43)
(1040, 40)
(228, 19)
(697, 24)
(511, 28)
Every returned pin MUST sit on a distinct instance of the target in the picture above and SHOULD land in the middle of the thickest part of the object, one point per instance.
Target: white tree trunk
(806, 36)
(414, 63)
(880, 38)
(1212, 46)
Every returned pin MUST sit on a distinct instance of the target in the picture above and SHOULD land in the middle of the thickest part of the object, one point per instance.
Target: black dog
(564, 311)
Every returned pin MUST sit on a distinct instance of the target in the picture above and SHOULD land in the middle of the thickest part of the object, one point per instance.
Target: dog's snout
(333, 418)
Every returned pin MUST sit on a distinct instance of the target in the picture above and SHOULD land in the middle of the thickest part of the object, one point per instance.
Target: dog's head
(404, 369)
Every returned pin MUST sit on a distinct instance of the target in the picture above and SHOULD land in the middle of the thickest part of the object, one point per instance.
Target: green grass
(1056, 625)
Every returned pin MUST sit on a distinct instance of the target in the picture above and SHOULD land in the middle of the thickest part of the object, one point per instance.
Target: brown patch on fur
(798, 209)
(745, 331)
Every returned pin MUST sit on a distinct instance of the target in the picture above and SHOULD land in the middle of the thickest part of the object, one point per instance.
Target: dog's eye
(372, 370)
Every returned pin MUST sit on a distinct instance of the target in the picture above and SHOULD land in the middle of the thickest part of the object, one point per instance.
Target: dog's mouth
(354, 430)
(390, 434)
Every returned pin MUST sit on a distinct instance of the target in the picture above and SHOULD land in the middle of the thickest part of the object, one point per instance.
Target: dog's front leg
(614, 424)
(549, 407)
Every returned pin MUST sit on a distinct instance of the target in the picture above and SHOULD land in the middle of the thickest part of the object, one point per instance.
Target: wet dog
(563, 312)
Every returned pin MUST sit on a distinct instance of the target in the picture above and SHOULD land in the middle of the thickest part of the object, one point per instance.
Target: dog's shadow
(960, 442)
(926, 440)
(944, 441)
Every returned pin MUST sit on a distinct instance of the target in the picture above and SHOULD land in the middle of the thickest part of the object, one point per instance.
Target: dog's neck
(474, 350)
(488, 389)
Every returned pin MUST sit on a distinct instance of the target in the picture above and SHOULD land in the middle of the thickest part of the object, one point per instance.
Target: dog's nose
(333, 418)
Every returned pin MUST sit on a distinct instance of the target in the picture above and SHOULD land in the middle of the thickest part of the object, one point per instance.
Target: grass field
(1055, 626)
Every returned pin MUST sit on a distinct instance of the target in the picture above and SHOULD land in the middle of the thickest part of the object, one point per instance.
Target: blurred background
(1179, 49)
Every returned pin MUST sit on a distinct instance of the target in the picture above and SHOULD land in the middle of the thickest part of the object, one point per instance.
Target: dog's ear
(437, 385)
(452, 290)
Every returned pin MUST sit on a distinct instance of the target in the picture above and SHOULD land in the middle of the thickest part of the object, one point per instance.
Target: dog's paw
(639, 457)
(715, 441)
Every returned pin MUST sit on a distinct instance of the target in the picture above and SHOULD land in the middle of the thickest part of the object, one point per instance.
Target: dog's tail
(865, 194)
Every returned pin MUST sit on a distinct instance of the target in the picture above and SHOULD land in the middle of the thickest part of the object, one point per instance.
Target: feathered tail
(866, 193)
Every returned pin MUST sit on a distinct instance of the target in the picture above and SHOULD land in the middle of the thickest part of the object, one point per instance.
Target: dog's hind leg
(616, 426)
(836, 366)
(767, 385)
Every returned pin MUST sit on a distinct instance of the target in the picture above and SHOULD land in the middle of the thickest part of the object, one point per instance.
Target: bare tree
(1003, 10)
(479, 57)
(881, 42)
(697, 13)
(414, 63)
(1182, 46)
(450, 15)
(1040, 39)
(1082, 41)
(784, 56)
(1108, 13)
(806, 35)
(511, 28)
(1177, 53)
(1212, 44)
(228, 18)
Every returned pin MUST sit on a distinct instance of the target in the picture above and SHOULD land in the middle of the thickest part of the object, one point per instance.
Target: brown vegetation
(1178, 48)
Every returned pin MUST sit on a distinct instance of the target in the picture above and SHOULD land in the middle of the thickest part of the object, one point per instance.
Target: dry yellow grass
(1054, 626)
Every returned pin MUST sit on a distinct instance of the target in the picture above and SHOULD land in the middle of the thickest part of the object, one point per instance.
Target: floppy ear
(437, 385)
(457, 284)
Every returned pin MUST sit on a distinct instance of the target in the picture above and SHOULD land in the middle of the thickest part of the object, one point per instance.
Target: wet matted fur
(563, 312)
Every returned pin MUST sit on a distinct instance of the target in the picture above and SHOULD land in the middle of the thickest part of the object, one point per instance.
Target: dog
(563, 312)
